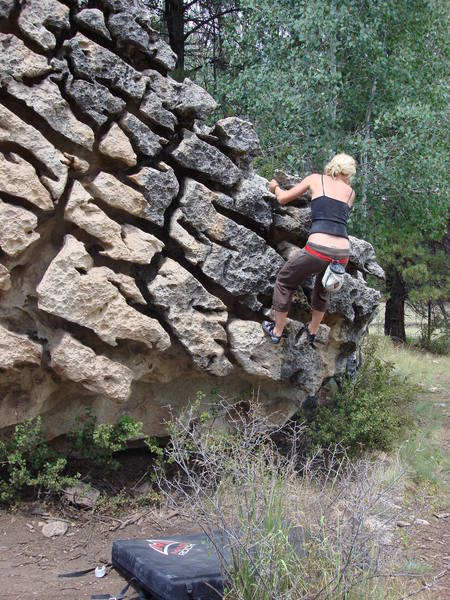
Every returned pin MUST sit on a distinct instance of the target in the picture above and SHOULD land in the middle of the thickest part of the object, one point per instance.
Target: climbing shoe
(268, 327)
(310, 337)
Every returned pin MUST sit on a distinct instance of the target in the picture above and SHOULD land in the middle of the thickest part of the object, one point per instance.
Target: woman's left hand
(272, 185)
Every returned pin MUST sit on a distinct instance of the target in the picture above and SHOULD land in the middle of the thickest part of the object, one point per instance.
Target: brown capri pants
(298, 268)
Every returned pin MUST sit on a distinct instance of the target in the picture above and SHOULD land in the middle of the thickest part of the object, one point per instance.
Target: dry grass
(325, 532)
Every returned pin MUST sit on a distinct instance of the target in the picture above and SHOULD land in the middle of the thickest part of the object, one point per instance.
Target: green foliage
(26, 461)
(99, 443)
(368, 414)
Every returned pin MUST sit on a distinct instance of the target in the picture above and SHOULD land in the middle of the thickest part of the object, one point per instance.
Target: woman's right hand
(272, 185)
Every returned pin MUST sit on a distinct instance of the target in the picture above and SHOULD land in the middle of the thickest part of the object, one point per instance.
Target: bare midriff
(331, 241)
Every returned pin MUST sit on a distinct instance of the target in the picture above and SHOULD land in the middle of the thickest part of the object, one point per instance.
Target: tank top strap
(350, 197)
(323, 189)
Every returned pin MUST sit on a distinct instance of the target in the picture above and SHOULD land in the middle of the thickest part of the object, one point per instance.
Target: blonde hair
(341, 164)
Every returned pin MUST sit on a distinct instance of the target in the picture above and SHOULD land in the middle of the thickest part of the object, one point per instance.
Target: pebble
(441, 515)
(54, 528)
(421, 522)
(403, 524)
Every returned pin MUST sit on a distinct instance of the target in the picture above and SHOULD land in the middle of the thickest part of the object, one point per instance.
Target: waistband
(326, 253)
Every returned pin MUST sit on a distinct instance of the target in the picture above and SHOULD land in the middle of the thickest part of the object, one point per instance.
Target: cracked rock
(19, 178)
(113, 192)
(16, 131)
(152, 108)
(18, 61)
(197, 317)
(94, 100)
(115, 144)
(45, 99)
(39, 20)
(238, 136)
(72, 288)
(93, 20)
(95, 63)
(17, 228)
(236, 258)
(5, 279)
(17, 350)
(144, 140)
(193, 153)
(74, 361)
(120, 242)
(159, 188)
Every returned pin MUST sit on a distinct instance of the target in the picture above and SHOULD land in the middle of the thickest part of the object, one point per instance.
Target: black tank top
(330, 215)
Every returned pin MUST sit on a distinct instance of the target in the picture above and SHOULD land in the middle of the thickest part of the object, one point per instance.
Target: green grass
(424, 453)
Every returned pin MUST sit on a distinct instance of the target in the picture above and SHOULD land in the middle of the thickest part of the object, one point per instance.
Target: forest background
(366, 77)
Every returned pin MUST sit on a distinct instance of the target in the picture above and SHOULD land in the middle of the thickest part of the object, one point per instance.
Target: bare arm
(286, 196)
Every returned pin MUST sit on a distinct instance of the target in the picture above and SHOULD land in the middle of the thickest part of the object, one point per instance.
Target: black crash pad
(178, 567)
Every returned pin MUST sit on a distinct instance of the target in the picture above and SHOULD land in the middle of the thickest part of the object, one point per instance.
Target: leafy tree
(364, 77)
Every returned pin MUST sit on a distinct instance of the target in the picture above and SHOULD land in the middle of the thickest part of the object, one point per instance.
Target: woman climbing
(331, 200)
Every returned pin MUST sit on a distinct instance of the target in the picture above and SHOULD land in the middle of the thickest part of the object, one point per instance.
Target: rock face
(139, 249)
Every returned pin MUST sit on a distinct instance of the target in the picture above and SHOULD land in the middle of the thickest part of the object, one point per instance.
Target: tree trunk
(394, 319)
(174, 18)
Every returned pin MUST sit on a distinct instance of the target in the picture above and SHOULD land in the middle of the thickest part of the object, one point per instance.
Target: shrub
(369, 413)
(291, 536)
(98, 443)
(26, 461)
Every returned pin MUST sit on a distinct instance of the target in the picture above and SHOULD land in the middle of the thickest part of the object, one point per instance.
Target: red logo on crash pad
(169, 547)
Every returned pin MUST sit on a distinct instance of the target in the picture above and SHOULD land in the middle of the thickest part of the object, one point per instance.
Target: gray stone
(45, 99)
(238, 136)
(93, 99)
(199, 156)
(109, 189)
(159, 188)
(82, 495)
(286, 180)
(19, 178)
(238, 259)
(293, 223)
(127, 33)
(120, 242)
(362, 255)
(354, 300)
(6, 7)
(16, 131)
(74, 361)
(152, 107)
(17, 228)
(93, 20)
(5, 279)
(17, 350)
(95, 63)
(144, 140)
(165, 87)
(193, 101)
(197, 317)
(293, 360)
(18, 61)
(39, 18)
(252, 199)
(54, 529)
(95, 297)
(163, 55)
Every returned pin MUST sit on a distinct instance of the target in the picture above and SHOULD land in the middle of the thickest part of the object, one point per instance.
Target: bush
(292, 536)
(369, 413)
(26, 461)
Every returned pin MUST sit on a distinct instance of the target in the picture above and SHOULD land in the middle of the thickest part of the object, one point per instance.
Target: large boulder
(138, 248)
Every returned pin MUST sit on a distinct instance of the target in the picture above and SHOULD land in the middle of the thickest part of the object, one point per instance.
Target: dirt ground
(30, 563)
